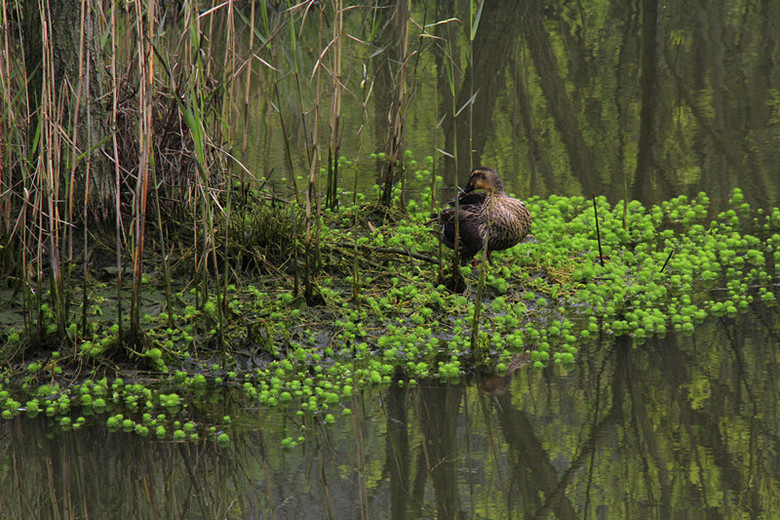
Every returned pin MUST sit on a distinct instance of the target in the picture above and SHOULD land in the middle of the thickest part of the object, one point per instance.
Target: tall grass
(450, 69)
(117, 172)
(334, 123)
(475, 13)
(145, 31)
(399, 105)
(168, 83)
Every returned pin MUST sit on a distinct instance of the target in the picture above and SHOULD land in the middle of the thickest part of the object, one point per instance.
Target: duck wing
(471, 239)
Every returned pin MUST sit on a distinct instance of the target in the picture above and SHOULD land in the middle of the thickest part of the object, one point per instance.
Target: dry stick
(355, 267)
(481, 286)
(671, 253)
(39, 180)
(288, 152)
(246, 119)
(299, 92)
(358, 421)
(198, 131)
(390, 250)
(32, 215)
(598, 233)
(191, 63)
(210, 37)
(163, 250)
(403, 100)
(286, 137)
(74, 149)
(317, 192)
(46, 148)
(439, 250)
(6, 90)
(406, 96)
(472, 34)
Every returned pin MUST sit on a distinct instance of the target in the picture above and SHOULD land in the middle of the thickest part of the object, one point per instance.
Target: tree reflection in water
(677, 427)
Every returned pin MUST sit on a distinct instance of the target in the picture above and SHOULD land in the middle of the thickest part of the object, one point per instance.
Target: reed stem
(481, 285)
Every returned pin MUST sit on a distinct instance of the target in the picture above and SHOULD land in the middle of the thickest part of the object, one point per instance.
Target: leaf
(475, 22)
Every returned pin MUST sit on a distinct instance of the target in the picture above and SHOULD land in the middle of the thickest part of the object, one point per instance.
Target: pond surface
(639, 100)
(680, 427)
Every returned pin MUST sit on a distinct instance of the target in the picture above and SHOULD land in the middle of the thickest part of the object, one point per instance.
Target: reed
(173, 82)
(366, 88)
(474, 17)
(475, 319)
(399, 106)
(145, 35)
(229, 76)
(293, 53)
(334, 128)
(248, 67)
(475, 14)
(84, 77)
(117, 170)
(449, 67)
(312, 220)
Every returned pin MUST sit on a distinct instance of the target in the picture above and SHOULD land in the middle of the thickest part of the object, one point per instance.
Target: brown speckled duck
(505, 220)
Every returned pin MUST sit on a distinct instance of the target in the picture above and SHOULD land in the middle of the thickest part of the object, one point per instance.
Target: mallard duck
(491, 213)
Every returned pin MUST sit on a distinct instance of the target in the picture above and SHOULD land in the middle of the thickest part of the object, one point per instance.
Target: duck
(486, 213)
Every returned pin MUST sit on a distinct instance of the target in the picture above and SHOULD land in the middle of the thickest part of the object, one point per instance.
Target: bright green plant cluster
(667, 268)
(662, 269)
(132, 407)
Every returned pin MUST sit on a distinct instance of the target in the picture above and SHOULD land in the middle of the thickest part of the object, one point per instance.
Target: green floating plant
(661, 269)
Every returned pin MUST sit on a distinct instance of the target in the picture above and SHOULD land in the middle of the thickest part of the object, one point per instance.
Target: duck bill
(468, 188)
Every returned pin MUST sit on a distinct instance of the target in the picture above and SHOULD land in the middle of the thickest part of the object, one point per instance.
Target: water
(680, 427)
(566, 100)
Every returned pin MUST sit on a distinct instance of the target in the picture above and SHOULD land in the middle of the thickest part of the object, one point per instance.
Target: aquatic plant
(672, 266)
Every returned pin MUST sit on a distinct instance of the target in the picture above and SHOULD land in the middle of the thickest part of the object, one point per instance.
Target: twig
(404, 251)
(598, 233)
(671, 253)
(396, 251)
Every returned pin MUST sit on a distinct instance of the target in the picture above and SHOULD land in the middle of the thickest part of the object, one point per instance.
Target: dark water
(680, 427)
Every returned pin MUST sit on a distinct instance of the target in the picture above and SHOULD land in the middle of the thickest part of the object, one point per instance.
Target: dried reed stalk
(145, 34)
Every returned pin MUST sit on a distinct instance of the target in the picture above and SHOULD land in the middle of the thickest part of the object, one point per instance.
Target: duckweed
(667, 269)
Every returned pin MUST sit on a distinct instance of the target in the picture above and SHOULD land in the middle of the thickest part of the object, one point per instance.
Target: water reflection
(677, 428)
(632, 100)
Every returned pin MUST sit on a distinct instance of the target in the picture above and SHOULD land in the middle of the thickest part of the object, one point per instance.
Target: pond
(640, 101)
(679, 427)
(630, 100)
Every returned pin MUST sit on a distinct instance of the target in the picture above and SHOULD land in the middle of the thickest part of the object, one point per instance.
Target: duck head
(484, 178)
